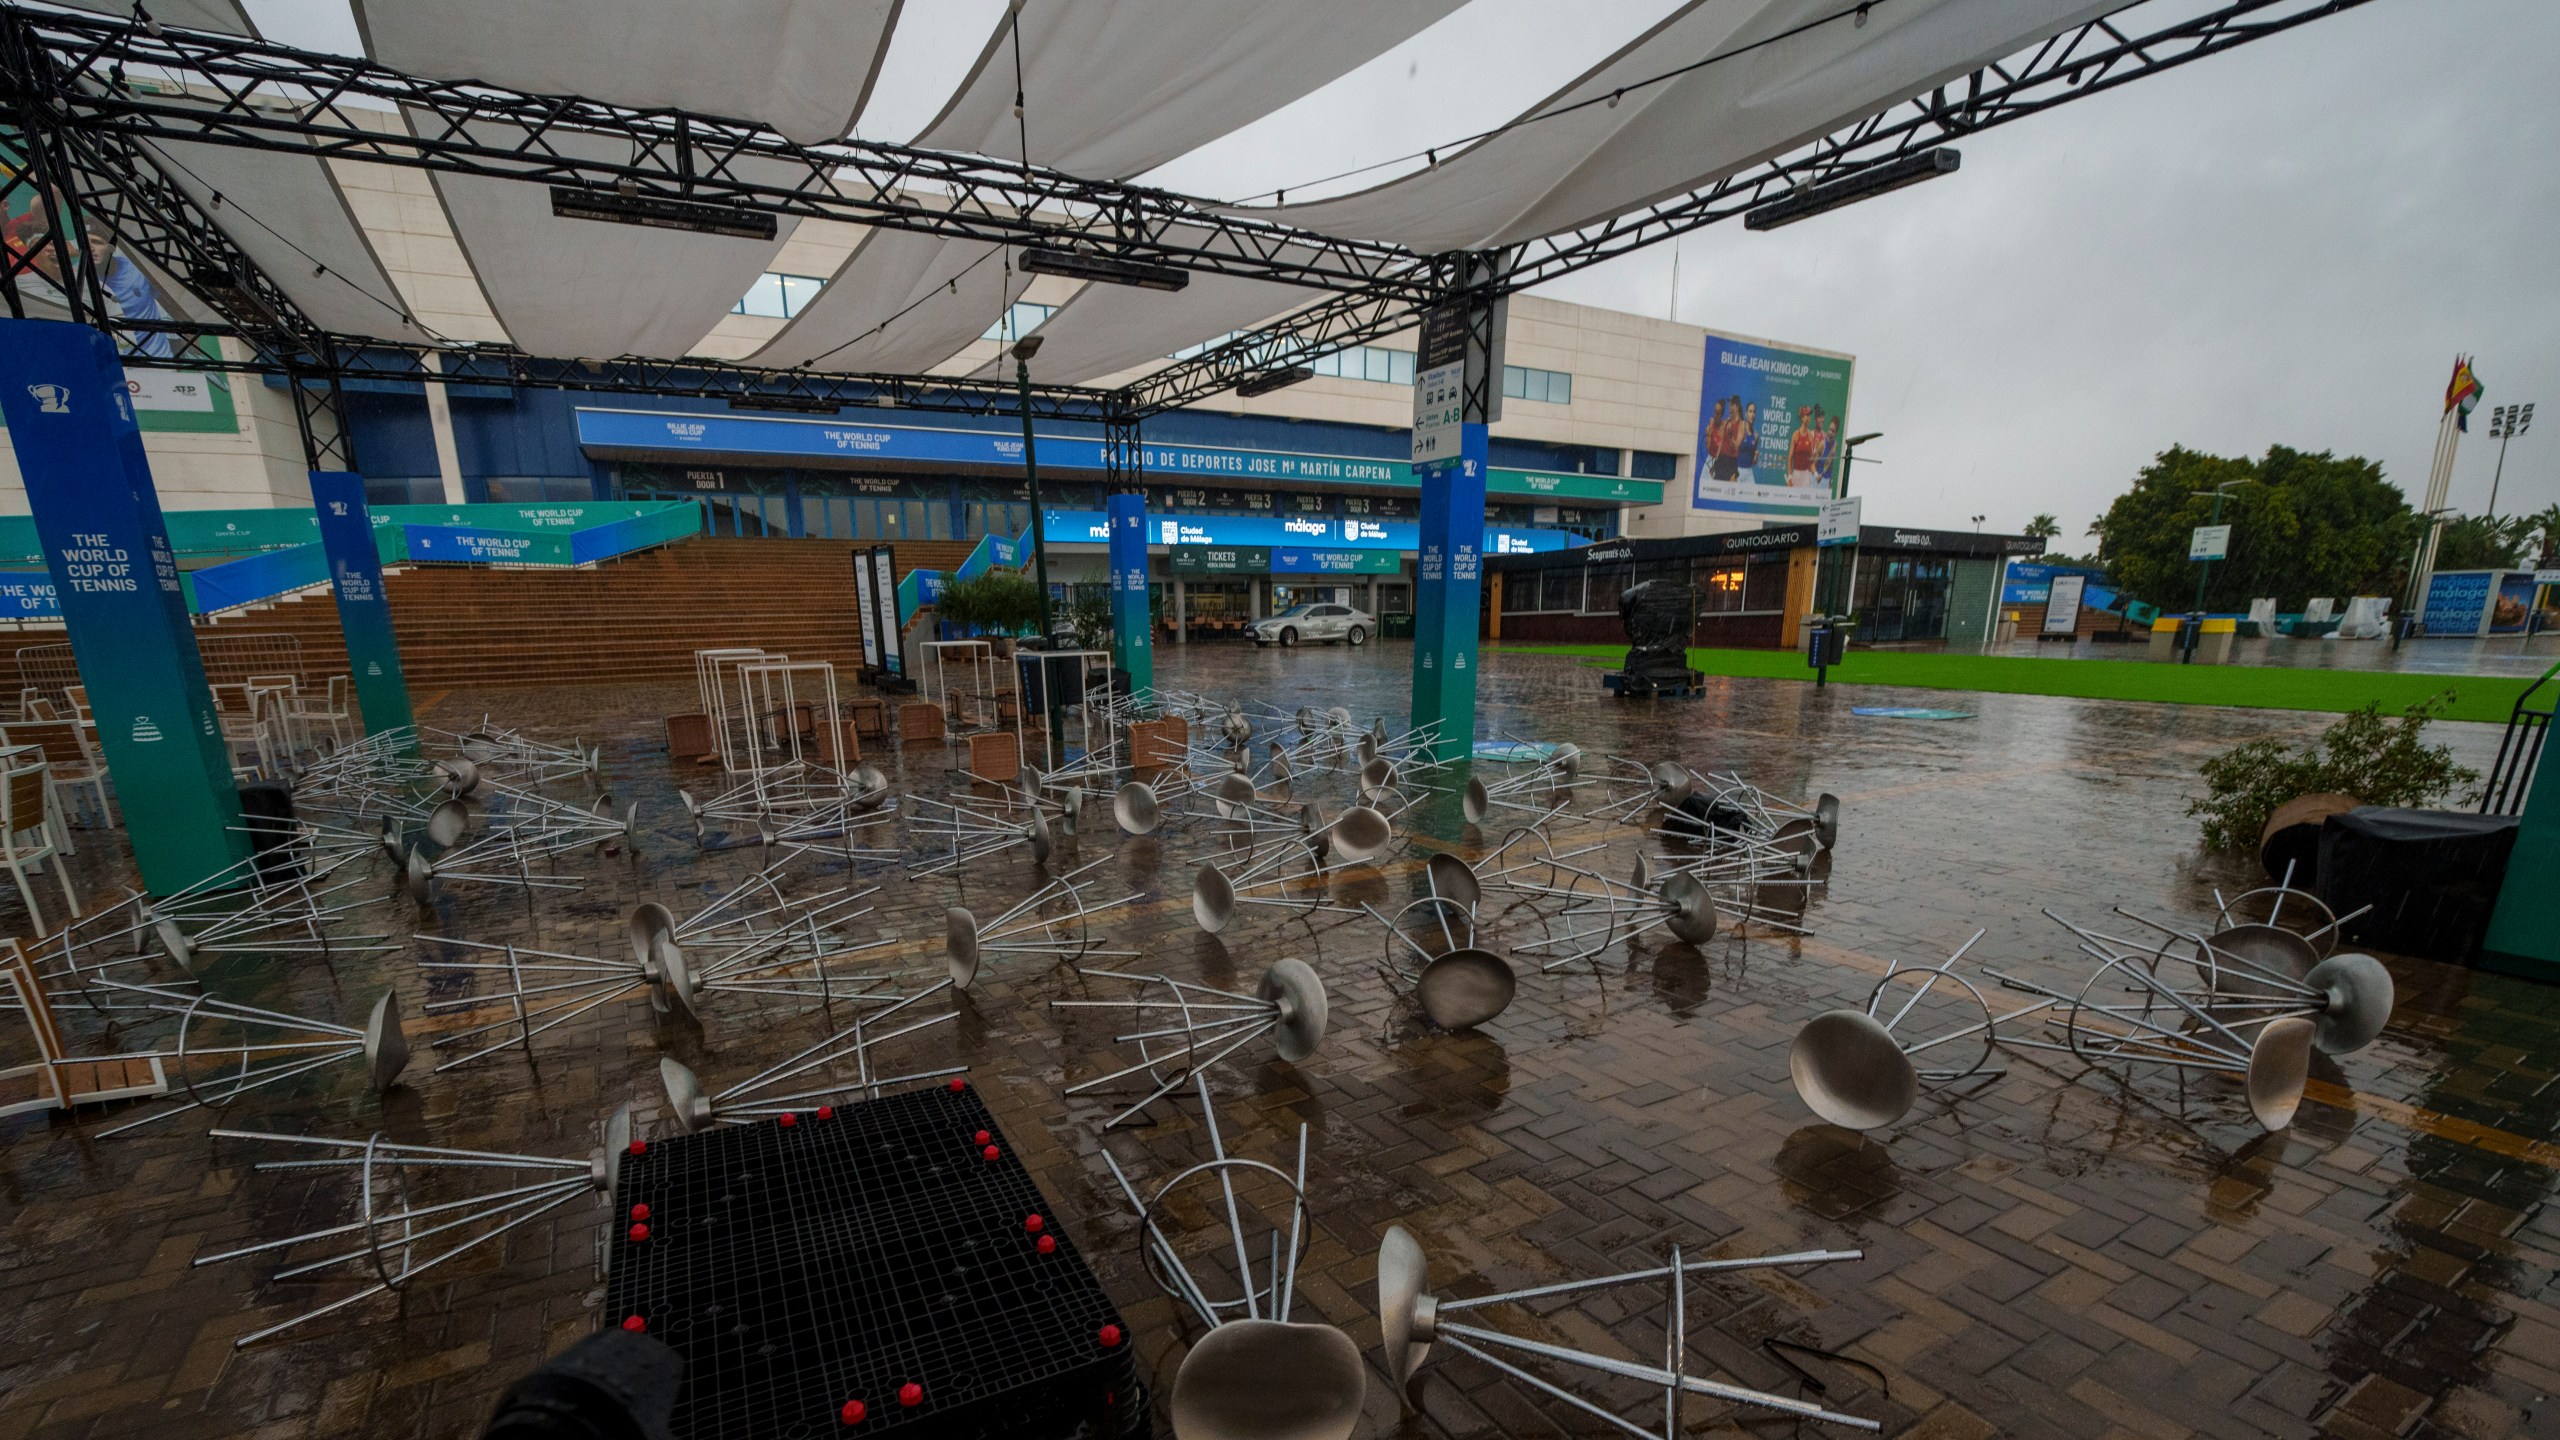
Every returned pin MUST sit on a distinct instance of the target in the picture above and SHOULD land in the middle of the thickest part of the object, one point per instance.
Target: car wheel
(1289, 636)
(1356, 636)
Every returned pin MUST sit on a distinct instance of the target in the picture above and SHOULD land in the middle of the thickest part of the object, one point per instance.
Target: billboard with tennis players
(1771, 422)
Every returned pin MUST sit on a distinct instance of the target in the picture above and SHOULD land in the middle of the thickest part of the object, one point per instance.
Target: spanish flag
(2463, 393)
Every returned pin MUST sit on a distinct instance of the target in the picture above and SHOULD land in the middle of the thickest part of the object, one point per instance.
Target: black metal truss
(2102, 55)
(278, 98)
(259, 95)
(1124, 466)
(2090, 59)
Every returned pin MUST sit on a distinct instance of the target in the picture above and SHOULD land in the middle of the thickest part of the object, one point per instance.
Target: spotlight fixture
(1866, 184)
(1028, 346)
(1270, 380)
(660, 212)
(1109, 269)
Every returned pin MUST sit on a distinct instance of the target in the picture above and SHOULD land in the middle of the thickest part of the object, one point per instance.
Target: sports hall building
(1298, 495)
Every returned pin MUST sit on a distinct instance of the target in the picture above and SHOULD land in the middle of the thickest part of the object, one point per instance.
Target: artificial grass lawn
(2263, 687)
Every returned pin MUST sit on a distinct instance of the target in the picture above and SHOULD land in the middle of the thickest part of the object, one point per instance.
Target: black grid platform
(798, 1267)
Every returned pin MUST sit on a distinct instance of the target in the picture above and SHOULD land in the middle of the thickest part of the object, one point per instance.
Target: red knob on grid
(639, 1232)
(911, 1394)
(958, 1084)
(991, 1152)
(1048, 1244)
(1110, 1337)
(634, 1323)
(639, 1147)
(1034, 1224)
(853, 1412)
(826, 1112)
(985, 1136)
(639, 1212)
(787, 1120)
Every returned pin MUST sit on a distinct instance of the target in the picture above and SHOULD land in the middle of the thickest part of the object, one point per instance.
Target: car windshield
(1295, 610)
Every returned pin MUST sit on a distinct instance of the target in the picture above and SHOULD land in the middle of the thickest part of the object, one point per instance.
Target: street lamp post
(1023, 350)
(2505, 423)
(2195, 622)
(1831, 591)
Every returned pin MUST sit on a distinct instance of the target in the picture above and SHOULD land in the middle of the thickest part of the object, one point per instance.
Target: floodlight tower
(2505, 423)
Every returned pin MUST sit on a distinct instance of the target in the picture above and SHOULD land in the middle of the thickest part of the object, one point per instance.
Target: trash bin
(1066, 670)
(2431, 876)
(266, 812)
(1396, 625)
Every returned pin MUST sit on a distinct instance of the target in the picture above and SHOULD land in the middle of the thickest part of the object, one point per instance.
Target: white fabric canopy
(1105, 329)
(1669, 138)
(1114, 88)
(902, 302)
(285, 212)
(592, 289)
(802, 67)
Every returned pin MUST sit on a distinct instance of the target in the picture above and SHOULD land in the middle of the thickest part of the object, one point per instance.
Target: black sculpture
(1656, 615)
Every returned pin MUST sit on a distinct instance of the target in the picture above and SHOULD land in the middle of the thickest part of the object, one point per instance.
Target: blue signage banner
(28, 595)
(1092, 527)
(475, 545)
(1449, 576)
(364, 611)
(657, 432)
(79, 453)
(1132, 637)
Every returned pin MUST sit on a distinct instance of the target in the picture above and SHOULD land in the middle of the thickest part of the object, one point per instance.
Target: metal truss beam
(258, 95)
(2140, 40)
(282, 99)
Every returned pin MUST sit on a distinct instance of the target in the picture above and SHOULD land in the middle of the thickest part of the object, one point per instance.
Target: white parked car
(1315, 622)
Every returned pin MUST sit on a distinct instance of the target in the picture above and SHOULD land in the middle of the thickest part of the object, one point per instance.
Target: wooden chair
(26, 809)
(72, 760)
(920, 720)
(997, 756)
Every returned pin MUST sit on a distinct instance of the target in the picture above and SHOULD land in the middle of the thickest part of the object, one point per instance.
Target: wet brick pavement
(2051, 1252)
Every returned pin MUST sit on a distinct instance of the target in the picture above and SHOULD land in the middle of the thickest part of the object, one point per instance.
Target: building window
(1561, 588)
(1019, 319)
(778, 296)
(1720, 587)
(1653, 465)
(1368, 362)
(1601, 591)
(1520, 382)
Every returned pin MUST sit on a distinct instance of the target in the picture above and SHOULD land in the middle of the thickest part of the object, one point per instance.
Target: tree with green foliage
(2302, 525)
(2484, 542)
(2044, 527)
(999, 602)
(2545, 528)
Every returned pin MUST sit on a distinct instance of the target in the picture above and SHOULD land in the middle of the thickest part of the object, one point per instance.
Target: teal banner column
(1132, 628)
(2524, 931)
(1450, 579)
(364, 612)
(62, 392)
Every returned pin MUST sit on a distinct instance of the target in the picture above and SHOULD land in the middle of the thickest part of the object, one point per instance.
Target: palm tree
(2044, 527)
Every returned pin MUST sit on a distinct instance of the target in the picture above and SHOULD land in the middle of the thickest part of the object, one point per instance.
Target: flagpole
(2439, 484)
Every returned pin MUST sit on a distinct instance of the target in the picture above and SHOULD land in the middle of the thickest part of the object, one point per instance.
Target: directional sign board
(2209, 542)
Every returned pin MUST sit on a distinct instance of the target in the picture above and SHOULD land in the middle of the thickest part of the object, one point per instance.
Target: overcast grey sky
(2283, 245)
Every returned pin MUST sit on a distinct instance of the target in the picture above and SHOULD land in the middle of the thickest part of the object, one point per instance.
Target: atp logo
(51, 399)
